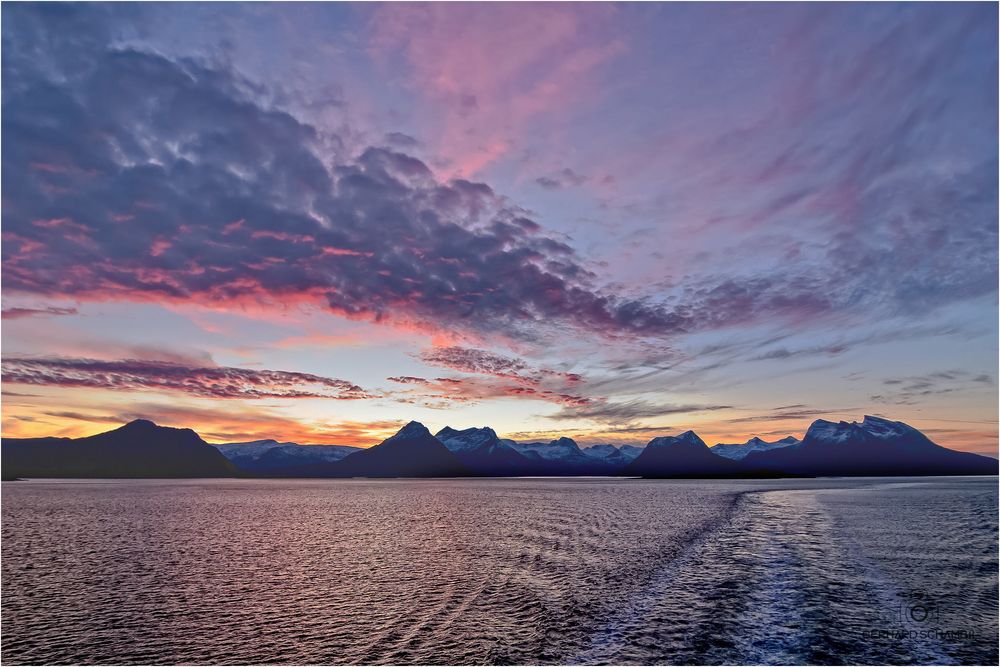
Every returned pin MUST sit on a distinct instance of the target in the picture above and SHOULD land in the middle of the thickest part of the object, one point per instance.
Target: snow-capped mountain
(599, 451)
(617, 456)
(875, 446)
(738, 451)
(273, 457)
(630, 451)
(564, 457)
(684, 455)
(563, 449)
(480, 450)
(471, 439)
(252, 448)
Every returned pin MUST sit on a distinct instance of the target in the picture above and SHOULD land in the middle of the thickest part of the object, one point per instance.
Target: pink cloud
(489, 71)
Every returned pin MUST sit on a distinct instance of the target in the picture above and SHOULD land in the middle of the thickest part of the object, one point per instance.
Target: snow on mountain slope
(738, 451)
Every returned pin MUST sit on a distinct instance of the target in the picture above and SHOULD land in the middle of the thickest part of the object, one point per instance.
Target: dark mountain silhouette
(874, 447)
(137, 449)
(273, 458)
(412, 452)
(684, 455)
(483, 453)
(739, 451)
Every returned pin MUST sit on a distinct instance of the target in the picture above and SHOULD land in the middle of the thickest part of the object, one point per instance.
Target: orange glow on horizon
(220, 427)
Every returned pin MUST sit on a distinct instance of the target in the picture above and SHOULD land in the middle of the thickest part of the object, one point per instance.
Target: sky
(316, 222)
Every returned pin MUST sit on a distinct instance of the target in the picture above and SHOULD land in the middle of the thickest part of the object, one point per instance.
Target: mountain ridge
(737, 451)
(138, 449)
(876, 446)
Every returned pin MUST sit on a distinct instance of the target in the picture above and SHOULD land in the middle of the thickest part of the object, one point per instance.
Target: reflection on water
(500, 571)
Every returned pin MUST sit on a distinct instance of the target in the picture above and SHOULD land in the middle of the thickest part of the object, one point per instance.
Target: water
(500, 571)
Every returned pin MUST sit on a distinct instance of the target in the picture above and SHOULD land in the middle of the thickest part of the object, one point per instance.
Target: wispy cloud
(911, 390)
(228, 425)
(210, 382)
(484, 106)
(506, 377)
(607, 411)
(18, 313)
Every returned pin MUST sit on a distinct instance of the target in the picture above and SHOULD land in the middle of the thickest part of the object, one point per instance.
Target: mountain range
(286, 459)
(872, 447)
(739, 451)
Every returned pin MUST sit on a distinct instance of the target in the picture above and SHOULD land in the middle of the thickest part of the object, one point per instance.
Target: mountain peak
(877, 427)
(873, 422)
(885, 428)
(412, 430)
(873, 447)
(139, 425)
(686, 438)
(411, 452)
(684, 455)
(470, 439)
(821, 429)
(140, 449)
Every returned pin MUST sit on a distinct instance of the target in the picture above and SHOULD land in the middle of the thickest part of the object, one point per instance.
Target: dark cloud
(408, 379)
(563, 179)
(18, 313)
(85, 417)
(130, 175)
(913, 389)
(401, 140)
(797, 412)
(857, 193)
(211, 382)
(133, 176)
(469, 360)
(839, 344)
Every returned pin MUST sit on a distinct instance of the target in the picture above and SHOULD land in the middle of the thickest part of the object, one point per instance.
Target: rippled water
(500, 571)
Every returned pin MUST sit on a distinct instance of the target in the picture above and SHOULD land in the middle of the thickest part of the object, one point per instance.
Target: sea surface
(578, 571)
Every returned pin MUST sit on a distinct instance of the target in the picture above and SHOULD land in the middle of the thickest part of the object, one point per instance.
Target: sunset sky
(318, 222)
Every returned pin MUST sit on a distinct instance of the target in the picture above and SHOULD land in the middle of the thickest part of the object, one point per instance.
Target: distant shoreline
(508, 477)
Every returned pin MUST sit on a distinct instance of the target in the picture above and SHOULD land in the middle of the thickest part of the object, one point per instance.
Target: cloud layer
(488, 375)
(209, 382)
(133, 176)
